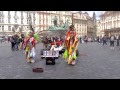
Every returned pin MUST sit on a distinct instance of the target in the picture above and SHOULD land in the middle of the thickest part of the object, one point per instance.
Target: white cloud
(98, 13)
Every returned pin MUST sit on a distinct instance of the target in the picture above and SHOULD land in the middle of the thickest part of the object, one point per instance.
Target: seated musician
(56, 45)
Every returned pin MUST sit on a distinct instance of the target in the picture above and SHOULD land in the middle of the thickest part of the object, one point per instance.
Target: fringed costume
(71, 43)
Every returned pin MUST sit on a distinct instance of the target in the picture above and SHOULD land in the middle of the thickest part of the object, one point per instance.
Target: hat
(71, 26)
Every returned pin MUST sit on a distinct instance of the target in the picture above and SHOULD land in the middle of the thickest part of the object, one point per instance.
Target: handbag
(37, 70)
(32, 53)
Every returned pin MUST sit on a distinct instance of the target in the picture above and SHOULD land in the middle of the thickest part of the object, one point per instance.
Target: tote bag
(32, 53)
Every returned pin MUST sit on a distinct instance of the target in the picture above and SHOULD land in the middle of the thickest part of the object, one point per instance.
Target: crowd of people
(111, 39)
(27, 42)
(47, 41)
(69, 42)
(15, 42)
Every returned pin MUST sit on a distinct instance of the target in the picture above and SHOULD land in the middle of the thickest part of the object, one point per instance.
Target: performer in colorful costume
(27, 47)
(30, 43)
(71, 44)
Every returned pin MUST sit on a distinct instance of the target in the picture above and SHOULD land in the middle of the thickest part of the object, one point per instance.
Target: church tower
(94, 23)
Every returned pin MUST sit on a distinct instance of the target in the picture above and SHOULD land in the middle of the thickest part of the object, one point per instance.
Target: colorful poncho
(70, 52)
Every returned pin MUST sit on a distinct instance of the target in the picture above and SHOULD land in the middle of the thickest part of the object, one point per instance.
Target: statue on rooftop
(55, 21)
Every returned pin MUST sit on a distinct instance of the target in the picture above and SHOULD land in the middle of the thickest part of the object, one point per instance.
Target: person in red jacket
(58, 42)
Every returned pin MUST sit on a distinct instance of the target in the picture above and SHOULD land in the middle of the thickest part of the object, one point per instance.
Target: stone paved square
(95, 62)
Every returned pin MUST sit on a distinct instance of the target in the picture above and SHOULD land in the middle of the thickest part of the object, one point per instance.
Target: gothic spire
(94, 18)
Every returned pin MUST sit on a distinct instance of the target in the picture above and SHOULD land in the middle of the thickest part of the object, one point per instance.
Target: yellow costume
(71, 44)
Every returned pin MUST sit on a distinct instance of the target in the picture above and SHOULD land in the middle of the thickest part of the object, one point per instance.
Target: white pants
(32, 54)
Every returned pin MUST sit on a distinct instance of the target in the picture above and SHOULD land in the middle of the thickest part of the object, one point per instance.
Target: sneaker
(28, 61)
(73, 62)
(32, 61)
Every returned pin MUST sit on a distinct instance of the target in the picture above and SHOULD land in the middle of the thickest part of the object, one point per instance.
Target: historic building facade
(46, 18)
(100, 32)
(8, 19)
(80, 22)
(90, 25)
(84, 24)
(110, 22)
(42, 20)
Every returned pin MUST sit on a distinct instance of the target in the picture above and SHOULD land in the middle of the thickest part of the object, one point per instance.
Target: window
(9, 19)
(2, 28)
(15, 20)
(41, 22)
(34, 22)
(27, 21)
(0, 13)
(8, 13)
(2, 20)
(21, 29)
(41, 16)
(27, 14)
(34, 14)
(44, 28)
(41, 28)
(15, 13)
(21, 21)
(9, 28)
(21, 15)
(45, 22)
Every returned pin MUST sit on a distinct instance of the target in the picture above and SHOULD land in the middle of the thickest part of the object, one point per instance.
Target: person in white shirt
(112, 39)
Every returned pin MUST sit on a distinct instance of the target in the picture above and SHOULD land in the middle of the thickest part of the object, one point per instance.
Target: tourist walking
(118, 38)
(112, 39)
(105, 40)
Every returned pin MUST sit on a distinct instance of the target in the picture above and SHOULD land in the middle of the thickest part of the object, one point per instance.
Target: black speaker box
(50, 61)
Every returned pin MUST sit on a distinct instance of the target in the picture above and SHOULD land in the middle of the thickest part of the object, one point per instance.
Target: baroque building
(21, 19)
(110, 23)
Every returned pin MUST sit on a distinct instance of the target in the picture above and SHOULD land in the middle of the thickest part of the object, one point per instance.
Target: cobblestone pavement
(100, 62)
